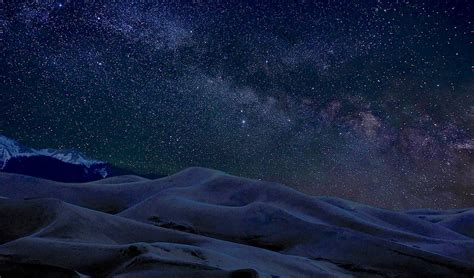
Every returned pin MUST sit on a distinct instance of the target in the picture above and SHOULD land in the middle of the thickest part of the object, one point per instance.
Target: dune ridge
(208, 223)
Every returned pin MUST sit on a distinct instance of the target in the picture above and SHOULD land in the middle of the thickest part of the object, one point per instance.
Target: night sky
(367, 100)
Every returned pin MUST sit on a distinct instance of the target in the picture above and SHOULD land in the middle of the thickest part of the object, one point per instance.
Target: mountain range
(59, 165)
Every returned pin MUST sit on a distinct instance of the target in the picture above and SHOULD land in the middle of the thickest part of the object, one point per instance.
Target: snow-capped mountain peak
(69, 156)
(11, 149)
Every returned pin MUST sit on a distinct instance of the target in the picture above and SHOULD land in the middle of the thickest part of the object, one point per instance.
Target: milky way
(366, 100)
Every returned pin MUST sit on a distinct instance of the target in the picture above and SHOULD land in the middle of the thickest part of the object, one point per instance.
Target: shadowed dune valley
(206, 223)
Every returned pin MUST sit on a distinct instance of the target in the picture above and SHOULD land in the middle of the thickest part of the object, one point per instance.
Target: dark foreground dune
(205, 223)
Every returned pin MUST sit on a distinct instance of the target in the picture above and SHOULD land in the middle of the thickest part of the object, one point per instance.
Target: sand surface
(205, 223)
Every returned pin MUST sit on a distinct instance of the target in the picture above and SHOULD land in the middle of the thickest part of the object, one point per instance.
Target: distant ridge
(58, 165)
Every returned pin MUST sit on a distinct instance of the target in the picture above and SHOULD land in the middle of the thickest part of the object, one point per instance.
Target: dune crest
(205, 222)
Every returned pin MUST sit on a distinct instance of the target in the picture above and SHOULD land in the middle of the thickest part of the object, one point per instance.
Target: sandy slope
(208, 223)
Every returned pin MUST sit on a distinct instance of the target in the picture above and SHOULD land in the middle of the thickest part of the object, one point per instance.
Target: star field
(366, 100)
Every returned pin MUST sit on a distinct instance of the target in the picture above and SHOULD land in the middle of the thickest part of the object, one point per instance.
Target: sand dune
(205, 222)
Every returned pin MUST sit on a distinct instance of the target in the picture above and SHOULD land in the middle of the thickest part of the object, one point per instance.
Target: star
(366, 100)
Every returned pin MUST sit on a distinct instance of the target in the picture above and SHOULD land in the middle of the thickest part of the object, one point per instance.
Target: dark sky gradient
(366, 100)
